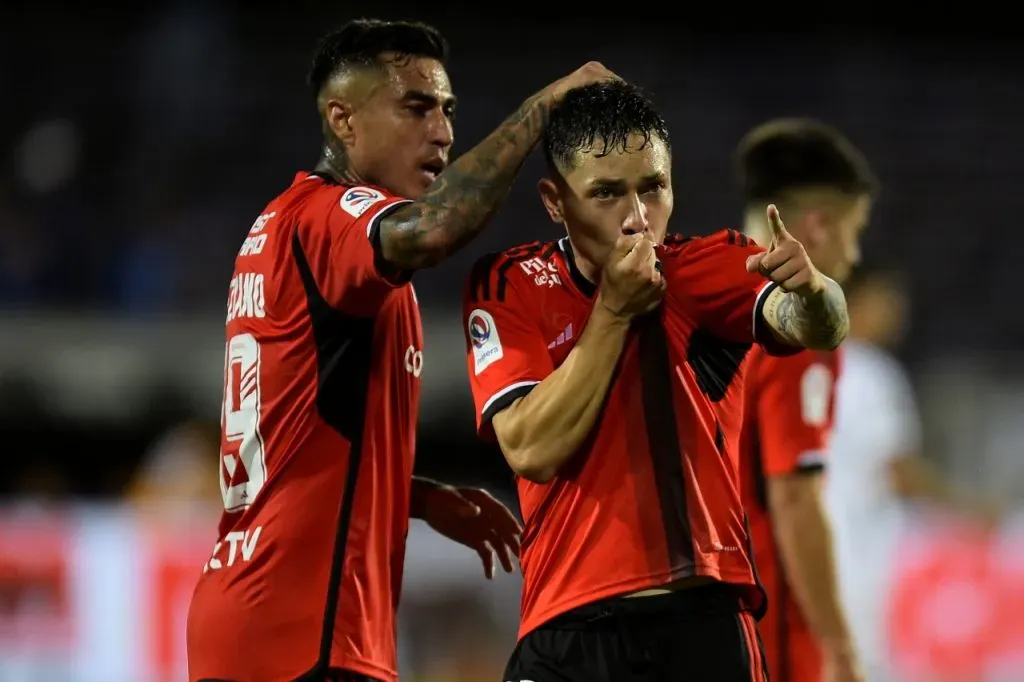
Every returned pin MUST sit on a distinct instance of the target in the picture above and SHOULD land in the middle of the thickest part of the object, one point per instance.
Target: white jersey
(876, 422)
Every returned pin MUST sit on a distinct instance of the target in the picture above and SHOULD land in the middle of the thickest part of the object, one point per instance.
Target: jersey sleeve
(711, 274)
(795, 407)
(340, 242)
(506, 354)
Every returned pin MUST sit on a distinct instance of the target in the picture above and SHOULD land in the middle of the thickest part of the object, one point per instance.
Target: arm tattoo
(466, 195)
(820, 322)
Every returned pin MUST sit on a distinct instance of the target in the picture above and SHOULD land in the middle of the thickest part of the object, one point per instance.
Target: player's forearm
(818, 321)
(466, 195)
(804, 539)
(540, 432)
(421, 489)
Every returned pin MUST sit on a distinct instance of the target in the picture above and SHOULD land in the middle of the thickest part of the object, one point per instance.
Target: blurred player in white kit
(876, 467)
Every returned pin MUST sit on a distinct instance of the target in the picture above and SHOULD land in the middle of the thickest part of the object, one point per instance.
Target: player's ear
(338, 116)
(552, 199)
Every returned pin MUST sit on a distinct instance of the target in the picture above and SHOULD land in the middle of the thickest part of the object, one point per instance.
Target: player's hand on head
(785, 260)
(475, 518)
(591, 72)
(632, 283)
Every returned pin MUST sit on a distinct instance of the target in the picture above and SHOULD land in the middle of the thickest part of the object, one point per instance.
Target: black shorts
(700, 634)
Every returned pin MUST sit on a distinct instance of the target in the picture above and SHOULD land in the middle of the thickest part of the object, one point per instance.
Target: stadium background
(136, 148)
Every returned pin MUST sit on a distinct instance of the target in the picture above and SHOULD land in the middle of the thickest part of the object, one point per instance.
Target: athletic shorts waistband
(695, 602)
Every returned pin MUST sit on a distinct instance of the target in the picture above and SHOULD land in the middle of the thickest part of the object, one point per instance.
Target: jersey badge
(356, 200)
(483, 335)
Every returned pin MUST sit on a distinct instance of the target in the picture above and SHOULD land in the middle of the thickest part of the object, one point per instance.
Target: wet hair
(789, 154)
(361, 42)
(607, 113)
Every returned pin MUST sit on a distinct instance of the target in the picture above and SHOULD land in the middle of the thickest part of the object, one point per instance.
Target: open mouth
(434, 168)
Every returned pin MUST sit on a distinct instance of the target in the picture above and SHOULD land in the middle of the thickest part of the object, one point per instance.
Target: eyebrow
(611, 182)
(428, 99)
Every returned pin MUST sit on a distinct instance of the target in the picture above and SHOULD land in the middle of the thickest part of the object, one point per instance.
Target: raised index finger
(775, 224)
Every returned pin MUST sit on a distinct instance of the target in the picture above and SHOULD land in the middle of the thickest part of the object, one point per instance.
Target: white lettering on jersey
(543, 273)
(257, 239)
(246, 297)
(483, 336)
(719, 547)
(253, 245)
(244, 540)
(413, 361)
(261, 222)
(816, 394)
(243, 465)
(356, 200)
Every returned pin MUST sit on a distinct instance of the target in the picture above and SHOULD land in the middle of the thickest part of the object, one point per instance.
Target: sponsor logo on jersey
(483, 336)
(356, 200)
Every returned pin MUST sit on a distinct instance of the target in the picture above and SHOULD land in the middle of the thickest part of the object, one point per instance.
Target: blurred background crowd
(137, 147)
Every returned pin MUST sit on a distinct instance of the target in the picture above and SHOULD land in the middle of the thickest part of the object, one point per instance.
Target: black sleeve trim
(389, 272)
(504, 401)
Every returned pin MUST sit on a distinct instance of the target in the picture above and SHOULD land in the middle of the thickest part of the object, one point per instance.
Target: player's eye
(654, 187)
(602, 193)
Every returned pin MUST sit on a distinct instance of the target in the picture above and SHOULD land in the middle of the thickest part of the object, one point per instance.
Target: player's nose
(635, 221)
(442, 133)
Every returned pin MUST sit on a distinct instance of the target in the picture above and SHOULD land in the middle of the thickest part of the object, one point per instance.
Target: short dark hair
(361, 42)
(787, 154)
(609, 111)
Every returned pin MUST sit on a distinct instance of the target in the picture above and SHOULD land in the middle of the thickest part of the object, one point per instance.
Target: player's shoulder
(497, 274)
(318, 195)
(680, 245)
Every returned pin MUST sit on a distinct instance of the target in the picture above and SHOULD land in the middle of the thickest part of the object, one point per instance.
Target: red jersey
(654, 495)
(787, 420)
(321, 398)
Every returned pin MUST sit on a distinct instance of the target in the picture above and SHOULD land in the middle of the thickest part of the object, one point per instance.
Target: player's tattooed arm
(810, 320)
(807, 310)
(466, 195)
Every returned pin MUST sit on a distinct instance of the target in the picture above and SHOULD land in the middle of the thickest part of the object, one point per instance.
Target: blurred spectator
(468, 647)
(876, 468)
(180, 470)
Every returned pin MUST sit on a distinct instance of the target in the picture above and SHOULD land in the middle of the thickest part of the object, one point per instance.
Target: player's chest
(561, 318)
(398, 334)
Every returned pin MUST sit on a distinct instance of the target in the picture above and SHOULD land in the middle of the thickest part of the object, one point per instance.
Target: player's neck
(590, 271)
(335, 162)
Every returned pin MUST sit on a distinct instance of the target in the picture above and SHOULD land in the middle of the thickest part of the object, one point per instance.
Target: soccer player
(323, 360)
(876, 467)
(824, 186)
(607, 366)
